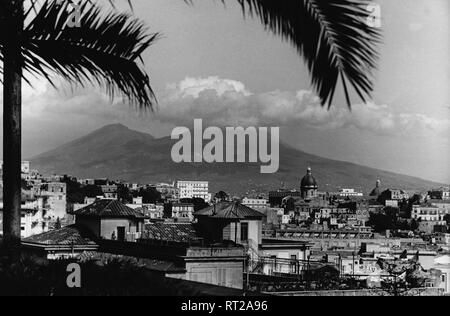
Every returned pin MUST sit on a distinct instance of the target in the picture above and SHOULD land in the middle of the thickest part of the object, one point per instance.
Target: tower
(308, 186)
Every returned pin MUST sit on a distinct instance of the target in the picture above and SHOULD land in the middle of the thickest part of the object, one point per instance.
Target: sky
(213, 64)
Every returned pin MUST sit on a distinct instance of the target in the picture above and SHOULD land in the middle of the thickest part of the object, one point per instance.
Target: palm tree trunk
(12, 103)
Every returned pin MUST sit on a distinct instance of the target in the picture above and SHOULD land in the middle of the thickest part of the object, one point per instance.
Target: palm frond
(333, 37)
(106, 49)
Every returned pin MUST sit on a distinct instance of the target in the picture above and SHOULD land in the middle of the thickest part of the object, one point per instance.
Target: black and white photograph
(230, 154)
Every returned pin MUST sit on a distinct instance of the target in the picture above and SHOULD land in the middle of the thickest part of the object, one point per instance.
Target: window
(244, 231)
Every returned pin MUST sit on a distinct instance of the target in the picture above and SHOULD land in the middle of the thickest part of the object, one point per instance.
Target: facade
(429, 213)
(231, 221)
(167, 190)
(70, 242)
(109, 191)
(441, 194)
(52, 198)
(183, 211)
(32, 222)
(349, 193)
(194, 189)
(283, 256)
(257, 203)
(111, 220)
(150, 211)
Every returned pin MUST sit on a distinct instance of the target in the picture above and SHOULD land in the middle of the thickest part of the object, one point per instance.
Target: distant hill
(117, 152)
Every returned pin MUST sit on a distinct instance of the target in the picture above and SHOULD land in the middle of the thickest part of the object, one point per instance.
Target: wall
(254, 230)
(374, 292)
(109, 225)
(228, 274)
(92, 224)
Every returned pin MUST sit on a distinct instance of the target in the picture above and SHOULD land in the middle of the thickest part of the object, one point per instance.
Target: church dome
(308, 181)
(376, 191)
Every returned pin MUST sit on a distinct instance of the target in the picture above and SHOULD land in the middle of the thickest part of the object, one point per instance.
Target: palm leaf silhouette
(333, 37)
(104, 50)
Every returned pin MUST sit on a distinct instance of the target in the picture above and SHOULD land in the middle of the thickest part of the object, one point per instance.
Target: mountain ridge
(117, 152)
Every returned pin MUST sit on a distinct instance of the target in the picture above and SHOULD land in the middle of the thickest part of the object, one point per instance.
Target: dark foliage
(28, 276)
(149, 195)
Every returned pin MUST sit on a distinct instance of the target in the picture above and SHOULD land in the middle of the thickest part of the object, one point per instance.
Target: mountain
(117, 152)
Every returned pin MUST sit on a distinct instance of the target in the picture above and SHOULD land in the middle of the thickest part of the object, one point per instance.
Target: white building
(194, 189)
(183, 211)
(32, 222)
(442, 263)
(349, 193)
(429, 213)
(258, 203)
(53, 197)
(150, 211)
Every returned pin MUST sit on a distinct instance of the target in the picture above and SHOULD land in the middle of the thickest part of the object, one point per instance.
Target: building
(441, 194)
(52, 197)
(66, 243)
(349, 193)
(168, 191)
(194, 189)
(276, 197)
(111, 220)
(231, 221)
(183, 211)
(282, 256)
(109, 191)
(442, 238)
(442, 264)
(170, 250)
(308, 186)
(150, 211)
(394, 194)
(24, 166)
(256, 203)
(32, 222)
(429, 213)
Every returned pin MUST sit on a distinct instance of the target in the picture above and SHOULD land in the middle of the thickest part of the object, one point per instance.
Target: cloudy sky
(211, 63)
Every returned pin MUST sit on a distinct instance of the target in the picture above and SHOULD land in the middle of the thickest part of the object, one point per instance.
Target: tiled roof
(70, 235)
(171, 232)
(229, 210)
(108, 208)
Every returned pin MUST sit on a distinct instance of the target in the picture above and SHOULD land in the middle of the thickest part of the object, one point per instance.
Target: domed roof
(376, 190)
(308, 181)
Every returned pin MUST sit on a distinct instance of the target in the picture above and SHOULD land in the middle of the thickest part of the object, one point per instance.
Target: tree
(149, 195)
(221, 196)
(199, 203)
(332, 36)
(105, 49)
(92, 191)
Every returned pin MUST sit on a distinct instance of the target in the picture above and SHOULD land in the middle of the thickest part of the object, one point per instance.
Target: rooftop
(229, 210)
(70, 235)
(108, 209)
(171, 232)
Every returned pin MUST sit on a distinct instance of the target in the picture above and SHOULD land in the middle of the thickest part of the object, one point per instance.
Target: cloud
(224, 102)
